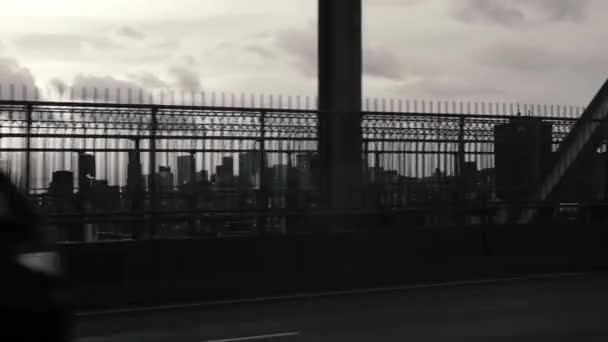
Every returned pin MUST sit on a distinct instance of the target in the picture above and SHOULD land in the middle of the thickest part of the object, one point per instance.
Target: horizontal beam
(228, 150)
(22, 107)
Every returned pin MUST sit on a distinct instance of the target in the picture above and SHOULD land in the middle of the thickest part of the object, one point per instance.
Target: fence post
(136, 188)
(377, 183)
(28, 159)
(366, 183)
(193, 194)
(262, 200)
(461, 174)
(152, 175)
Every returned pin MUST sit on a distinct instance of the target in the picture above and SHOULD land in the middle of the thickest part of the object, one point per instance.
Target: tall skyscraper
(185, 169)
(4, 166)
(304, 166)
(61, 191)
(471, 176)
(202, 176)
(228, 162)
(249, 168)
(62, 183)
(86, 172)
(164, 179)
(135, 181)
(225, 172)
(278, 176)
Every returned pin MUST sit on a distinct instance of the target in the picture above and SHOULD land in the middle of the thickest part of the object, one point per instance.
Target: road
(551, 308)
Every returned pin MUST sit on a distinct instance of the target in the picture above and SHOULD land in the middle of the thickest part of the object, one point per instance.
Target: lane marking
(259, 337)
(327, 294)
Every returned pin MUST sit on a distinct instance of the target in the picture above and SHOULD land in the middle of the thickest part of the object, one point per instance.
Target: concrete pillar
(340, 73)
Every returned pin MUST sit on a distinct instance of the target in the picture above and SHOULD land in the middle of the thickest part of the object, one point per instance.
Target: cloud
(12, 73)
(451, 88)
(380, 62)
(49, 45)
(186, 78)
(101, 88)
(167, 45)
(495, 11)
(251, 44)
(190, 61)
(59, 86)
(523, 57)
(393, 2)
(260, 51)
(564, 10)
(101, 82)
(520, 12)
(542, 60)
(131, 33)
(148, 80)
(301, 45)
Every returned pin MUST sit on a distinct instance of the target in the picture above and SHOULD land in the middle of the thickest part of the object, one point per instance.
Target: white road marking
(326, 294)
(260, 337)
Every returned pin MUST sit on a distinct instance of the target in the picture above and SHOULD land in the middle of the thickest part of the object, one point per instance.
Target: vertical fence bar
(365, 171)
(377, 184)
(137, 189)
(152, 172)
(262, 200)
(192, 195)
(28, 151)
(460, 172)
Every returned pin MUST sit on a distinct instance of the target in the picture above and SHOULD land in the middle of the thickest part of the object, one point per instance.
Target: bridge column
(340, 140)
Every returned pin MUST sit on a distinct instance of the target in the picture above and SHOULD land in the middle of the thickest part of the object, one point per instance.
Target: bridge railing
(140, 170)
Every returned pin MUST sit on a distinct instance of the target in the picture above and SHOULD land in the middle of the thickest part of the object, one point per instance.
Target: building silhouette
(4, 167)
(523, 154)
(225, 172)
(62, 184)
(249, 169)
(135, 183)
(304, 169)
(105, 197)
(202, 177)
(86, 173)
(164, 179)
(185, 169)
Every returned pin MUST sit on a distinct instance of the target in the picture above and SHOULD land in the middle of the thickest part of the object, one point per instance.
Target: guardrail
(148, 161)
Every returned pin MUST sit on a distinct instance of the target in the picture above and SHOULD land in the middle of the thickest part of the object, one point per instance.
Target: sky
(528, 51)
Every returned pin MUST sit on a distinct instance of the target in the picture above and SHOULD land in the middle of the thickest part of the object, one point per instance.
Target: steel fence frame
(39, 137)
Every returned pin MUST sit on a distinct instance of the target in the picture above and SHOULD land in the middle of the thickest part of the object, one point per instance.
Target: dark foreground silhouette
(31, 301)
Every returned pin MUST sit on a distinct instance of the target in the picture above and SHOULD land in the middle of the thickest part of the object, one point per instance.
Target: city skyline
(420, 166)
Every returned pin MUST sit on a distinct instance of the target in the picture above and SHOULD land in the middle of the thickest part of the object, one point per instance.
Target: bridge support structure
(340, 134)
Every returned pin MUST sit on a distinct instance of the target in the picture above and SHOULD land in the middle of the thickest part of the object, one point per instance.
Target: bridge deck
(564, 308)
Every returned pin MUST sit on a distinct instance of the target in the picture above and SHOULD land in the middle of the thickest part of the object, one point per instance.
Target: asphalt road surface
(548, 308)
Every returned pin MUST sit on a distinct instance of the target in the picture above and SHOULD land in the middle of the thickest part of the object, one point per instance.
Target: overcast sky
(535, 51)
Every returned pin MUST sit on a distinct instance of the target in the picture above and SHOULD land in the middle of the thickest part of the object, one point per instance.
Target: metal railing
(151, 170)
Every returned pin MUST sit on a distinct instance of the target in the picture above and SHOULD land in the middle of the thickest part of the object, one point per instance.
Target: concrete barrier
(155, 272)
